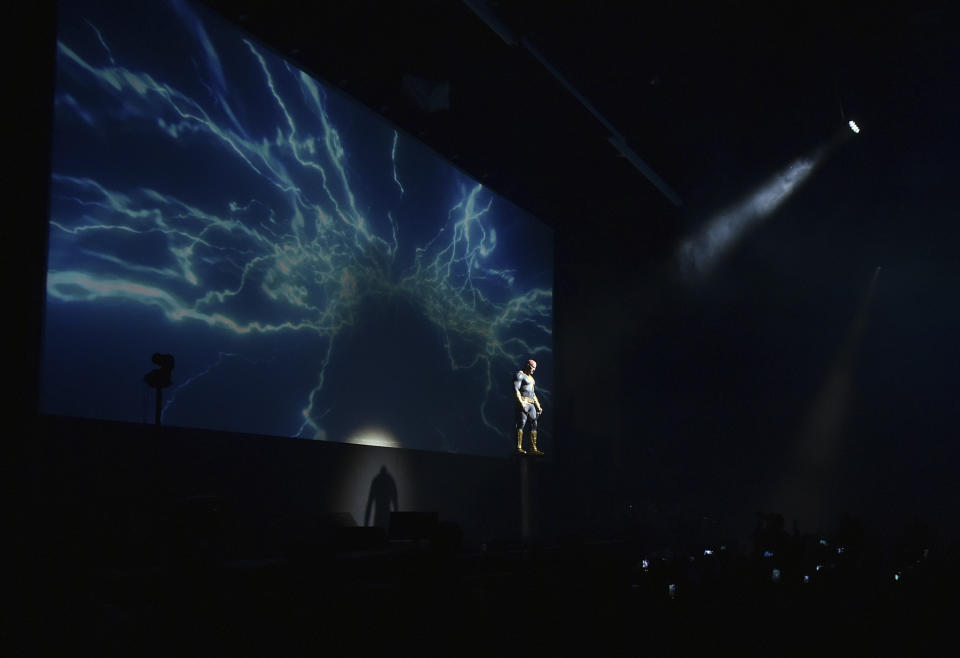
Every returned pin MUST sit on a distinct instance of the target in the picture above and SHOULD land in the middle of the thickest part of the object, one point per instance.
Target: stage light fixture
(853, 126)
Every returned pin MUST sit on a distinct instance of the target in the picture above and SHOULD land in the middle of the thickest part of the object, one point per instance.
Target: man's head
(530, 366)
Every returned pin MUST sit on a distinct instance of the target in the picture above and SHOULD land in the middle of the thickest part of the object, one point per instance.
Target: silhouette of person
(528, 407)
(382, 498)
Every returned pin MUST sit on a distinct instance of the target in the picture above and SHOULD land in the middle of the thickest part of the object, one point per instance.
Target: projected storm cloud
(314, 272)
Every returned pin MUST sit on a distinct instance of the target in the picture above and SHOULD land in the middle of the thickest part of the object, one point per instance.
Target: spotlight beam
(701, 252)
(812, 472)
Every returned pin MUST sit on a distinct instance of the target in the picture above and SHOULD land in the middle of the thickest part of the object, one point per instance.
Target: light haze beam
(701, 252)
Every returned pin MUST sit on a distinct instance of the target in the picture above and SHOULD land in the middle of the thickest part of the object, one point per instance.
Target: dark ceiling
(711, 96)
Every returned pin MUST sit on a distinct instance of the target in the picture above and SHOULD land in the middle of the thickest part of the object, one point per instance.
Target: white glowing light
(701, 252)
(374, 436)
(854, 127)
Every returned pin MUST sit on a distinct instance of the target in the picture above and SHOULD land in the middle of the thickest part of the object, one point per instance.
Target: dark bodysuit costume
(527, 411)
(523, 384)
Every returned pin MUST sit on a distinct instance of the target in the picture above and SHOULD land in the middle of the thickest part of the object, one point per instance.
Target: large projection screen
(315, 272)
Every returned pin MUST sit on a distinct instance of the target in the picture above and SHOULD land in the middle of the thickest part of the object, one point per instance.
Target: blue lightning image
(228, 204)
(393, 157)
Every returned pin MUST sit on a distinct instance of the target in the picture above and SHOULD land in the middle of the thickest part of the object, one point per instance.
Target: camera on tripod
(160, 377)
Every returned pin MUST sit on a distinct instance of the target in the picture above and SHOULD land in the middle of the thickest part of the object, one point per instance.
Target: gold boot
(520, 450)
(534, 450)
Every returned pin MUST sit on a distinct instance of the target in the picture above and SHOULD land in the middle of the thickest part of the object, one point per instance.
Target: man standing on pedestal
(528, 408)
